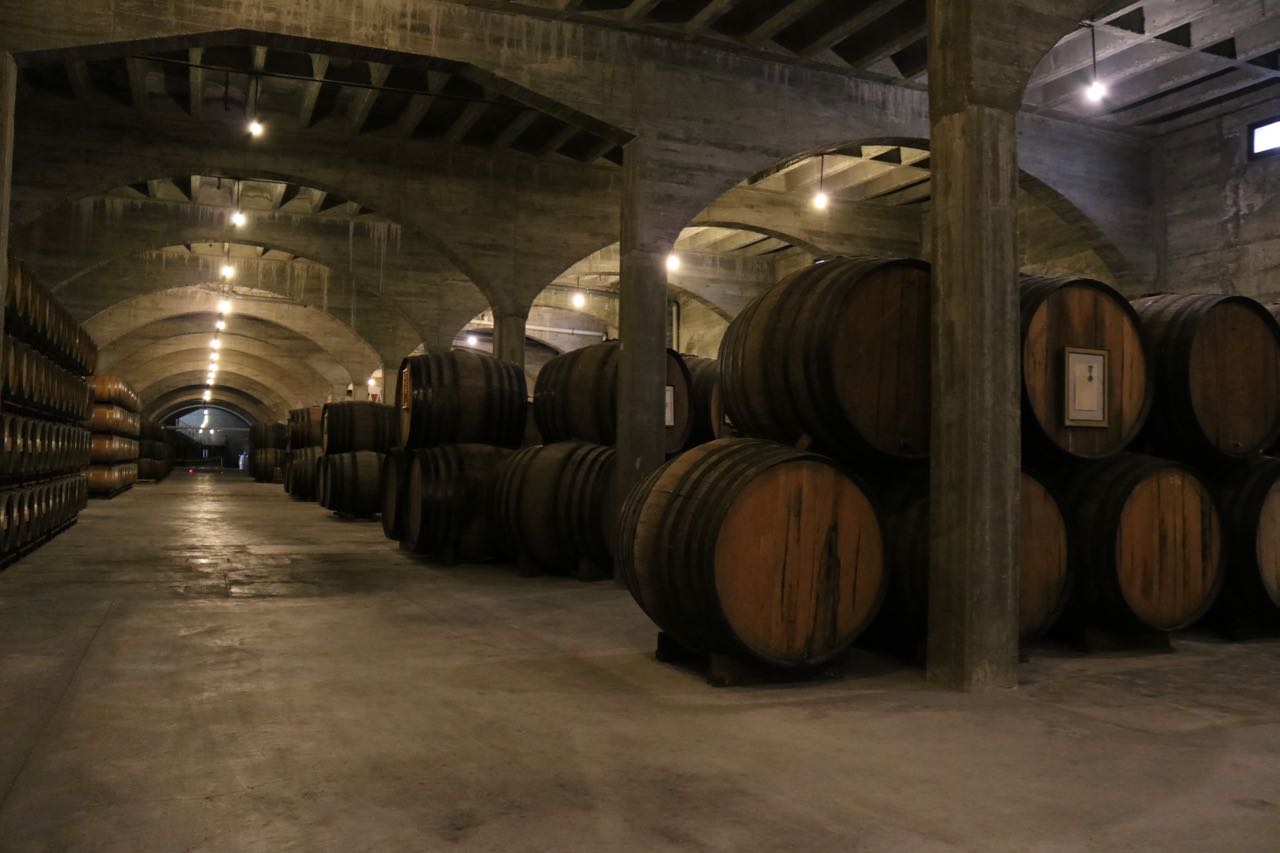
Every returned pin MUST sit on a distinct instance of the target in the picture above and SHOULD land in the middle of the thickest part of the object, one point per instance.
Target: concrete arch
(238, 402)
(268, 397)
(291, 387)
(347, 348)
(267, 340)
(306, 372)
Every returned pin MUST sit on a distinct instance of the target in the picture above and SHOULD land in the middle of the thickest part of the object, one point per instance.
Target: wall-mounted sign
(1086, 404)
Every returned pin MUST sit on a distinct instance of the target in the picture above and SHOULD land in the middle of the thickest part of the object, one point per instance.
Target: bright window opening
(1266, 138)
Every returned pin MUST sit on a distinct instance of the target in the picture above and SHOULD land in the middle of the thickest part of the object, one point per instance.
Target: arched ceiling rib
(189, 397)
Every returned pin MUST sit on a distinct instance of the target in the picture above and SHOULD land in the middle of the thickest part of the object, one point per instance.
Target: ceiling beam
(558, 139)
(362, 98)
(779, 21)
(466, 120)
(137, 68)
(710, 13)
(81, 82)
(851, 25)
(311, 90)
(195, 83)
(518, 126)
(638, 9)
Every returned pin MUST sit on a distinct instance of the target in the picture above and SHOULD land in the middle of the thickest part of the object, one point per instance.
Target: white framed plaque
(1086, 387)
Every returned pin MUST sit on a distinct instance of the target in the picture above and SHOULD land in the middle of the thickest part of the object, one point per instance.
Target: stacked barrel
(553, 501)
(44, 447)
(116, 427)
(267, 452)
(302, 441)
(459, 414)
(354, 438)
(155, 453)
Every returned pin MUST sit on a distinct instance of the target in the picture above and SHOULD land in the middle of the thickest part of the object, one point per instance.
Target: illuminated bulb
(224, 306)
(238, 219)
(820, 201)
(211, 432)
(220, 325)
(1096, 91)
(213, 356)
(579, 299)
(256, 128)
(673, 262)
(472, 340)
(372, 382)
(216, 344)
(228, 271)
(202, 432)
(208, 395)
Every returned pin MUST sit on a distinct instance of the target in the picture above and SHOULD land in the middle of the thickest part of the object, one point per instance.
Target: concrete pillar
(8, 98)
(973, 593)
(508, 337)
(645, 245)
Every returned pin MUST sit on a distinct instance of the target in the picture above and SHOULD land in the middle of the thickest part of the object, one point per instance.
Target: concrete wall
(1221, 209)
(700, 328)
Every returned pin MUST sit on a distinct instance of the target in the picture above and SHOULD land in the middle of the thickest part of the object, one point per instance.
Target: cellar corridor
(210, 666)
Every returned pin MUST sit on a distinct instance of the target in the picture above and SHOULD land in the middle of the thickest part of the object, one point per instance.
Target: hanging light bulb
(1096, 90)
(216, 344)
(220, 325)
(673, 262)
(820, 198)
(238, 219)
(579, 299)
(372, 382)
(213, 357)
(256, 128)
(228, 271)
(224, 306)
(472, 340)
(208, 395)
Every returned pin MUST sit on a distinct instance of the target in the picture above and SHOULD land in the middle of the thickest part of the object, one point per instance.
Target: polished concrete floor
(207, 665)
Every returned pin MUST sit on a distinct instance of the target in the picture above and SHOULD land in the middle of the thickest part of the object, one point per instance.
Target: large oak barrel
(109, 449)
(264, 435)
(1044, 578)
(353, 483)
(305, 427)
(106, 480)
(447, 504)
(300, 479)
(551, 504)
(358, 425)
(113, 389)
(113, 420)
(576, 397)
(1148, 544)
(264, 462)
(36, 316)
(746, 547)
(1077, 314)
(707, 418)
(460, 397)
(1248, 496)
(1216, 361)
(395, 484)
(836, 354)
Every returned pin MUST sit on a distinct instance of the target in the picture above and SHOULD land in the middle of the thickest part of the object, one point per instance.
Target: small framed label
(1086, 386)
(670, 419)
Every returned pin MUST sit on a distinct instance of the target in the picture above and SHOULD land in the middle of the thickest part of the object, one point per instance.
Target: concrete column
(974, 513)
(642, 324)
(508, 337)
(8, 98)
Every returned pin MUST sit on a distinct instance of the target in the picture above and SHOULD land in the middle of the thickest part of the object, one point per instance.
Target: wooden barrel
(1216, 361)
(322, 482)
(746, 547)
(1081, 322)
(395, 482)
(835, 355)
(305, 427)
(707, 418)
(264, 435)
(113, 420)
(551, 504)
(1248, 496)
(356, 425)
(264, 462)
(576, 397)
(353, 483)
(1044, 578)
(106, 480)
(460, 397)
(301, 483)
(110, 449)
(1148, 544)
(447, 504)
(113, 389)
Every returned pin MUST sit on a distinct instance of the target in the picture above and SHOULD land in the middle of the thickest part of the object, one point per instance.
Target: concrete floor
(207, 665)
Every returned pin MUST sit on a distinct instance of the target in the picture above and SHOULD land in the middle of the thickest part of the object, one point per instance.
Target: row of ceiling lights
(224, 308)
